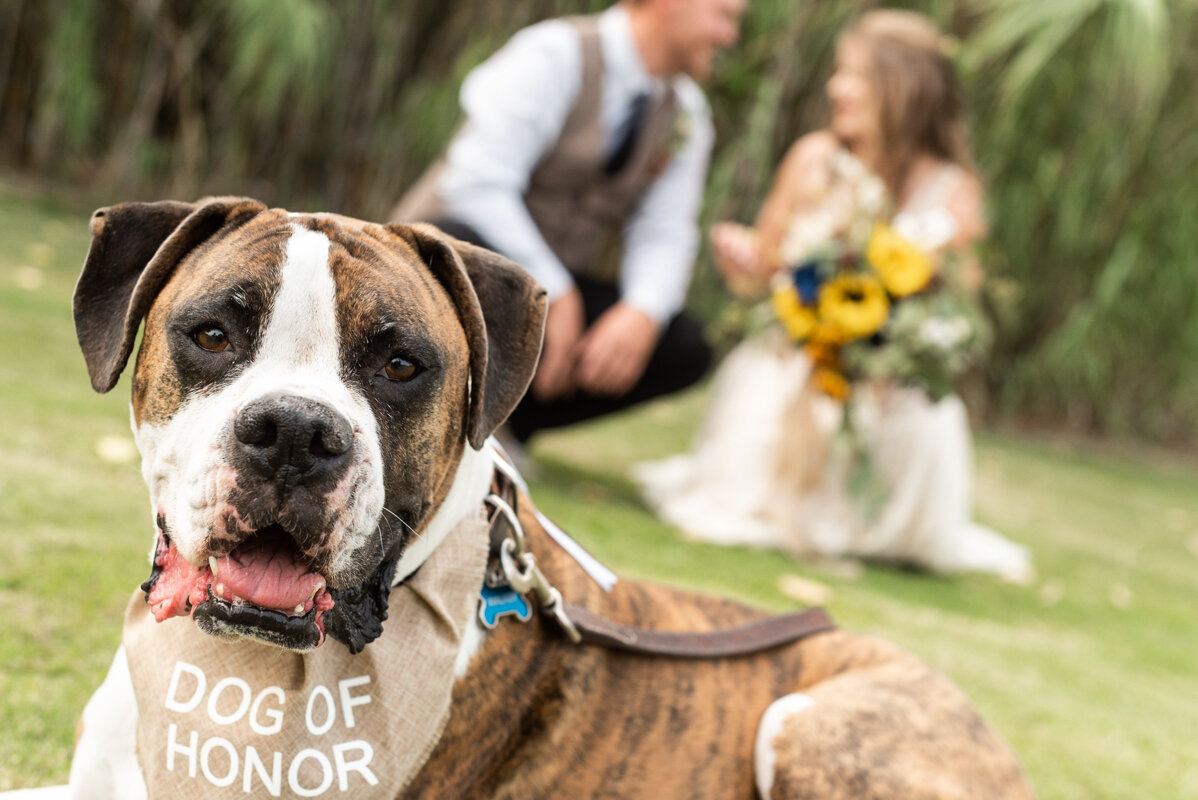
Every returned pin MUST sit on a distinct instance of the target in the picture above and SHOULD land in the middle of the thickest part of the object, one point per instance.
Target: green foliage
(1091, 165)
(280, 53)
(1083, 130)
(73, 96)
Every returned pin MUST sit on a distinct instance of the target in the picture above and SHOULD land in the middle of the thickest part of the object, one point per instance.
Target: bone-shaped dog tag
(496, 602)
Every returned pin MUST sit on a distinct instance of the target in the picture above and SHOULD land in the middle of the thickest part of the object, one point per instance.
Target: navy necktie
(626, 134)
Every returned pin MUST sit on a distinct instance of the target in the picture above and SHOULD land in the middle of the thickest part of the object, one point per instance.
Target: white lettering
(274, 714)
(348, 701)
(293, 773)
(205, 755)
(361, 765)
(253, 763)
(173, 746)
(214, 700)
(330, 710)
(172, 702)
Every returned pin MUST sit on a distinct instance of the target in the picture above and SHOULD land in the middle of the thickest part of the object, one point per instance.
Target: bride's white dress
(764, 471)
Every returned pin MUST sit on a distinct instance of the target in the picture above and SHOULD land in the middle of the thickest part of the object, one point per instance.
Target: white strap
(591, 565)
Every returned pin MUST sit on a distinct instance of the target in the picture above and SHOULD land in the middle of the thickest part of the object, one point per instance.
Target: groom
(586, 138)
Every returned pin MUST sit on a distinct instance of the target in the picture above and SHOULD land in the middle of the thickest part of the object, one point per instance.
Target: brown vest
(579, 209)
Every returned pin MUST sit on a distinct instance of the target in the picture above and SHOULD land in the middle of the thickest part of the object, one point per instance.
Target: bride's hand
(739, 257)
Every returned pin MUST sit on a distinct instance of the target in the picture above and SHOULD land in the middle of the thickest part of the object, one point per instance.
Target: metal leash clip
(523, 575)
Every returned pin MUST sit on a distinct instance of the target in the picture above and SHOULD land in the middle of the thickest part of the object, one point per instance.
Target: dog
(312, 399)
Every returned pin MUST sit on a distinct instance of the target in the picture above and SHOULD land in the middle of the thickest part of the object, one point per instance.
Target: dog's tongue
(267, 573)
(266, 570)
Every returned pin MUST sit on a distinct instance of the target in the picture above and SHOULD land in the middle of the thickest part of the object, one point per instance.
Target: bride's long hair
(922, 108)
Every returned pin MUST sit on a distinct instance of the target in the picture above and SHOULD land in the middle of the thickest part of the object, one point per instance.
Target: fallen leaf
(1178, 520)
(40, 253)
(116, 449)
(804, 590)
(29, 278)
(1052, 592)
(1121, 596)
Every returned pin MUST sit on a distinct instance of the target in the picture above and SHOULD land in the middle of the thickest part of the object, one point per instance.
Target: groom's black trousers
(680, 359)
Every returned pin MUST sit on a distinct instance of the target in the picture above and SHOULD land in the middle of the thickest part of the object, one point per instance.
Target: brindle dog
(312, 399)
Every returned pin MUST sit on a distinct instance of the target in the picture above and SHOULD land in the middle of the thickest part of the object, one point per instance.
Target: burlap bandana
(227, 720)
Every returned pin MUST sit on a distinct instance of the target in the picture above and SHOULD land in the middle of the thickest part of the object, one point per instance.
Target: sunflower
(852, 307)
(832, 383)
(904, 268)
(798, 320)
(829, 336)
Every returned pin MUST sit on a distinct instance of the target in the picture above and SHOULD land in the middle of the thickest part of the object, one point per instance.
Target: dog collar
(591, 565)
(512, 571)
(512, 574)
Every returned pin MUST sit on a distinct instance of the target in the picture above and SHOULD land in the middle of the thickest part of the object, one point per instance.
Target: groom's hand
(564, 323)
(613, 353)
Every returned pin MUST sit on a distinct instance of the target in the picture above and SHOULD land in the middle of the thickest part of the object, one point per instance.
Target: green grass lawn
(1090, 673)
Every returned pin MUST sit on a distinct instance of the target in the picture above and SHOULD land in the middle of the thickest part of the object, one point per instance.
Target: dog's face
(305, 389)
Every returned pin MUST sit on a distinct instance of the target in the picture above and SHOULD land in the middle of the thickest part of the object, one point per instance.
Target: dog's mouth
(262, 588)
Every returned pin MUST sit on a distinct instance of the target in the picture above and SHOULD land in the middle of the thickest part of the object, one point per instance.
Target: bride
(766, 469)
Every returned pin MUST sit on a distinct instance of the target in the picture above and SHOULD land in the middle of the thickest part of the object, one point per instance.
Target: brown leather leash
(513, 567)
(741, 640)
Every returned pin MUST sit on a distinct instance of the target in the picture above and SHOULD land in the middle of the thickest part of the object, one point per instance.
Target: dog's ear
(134, 249)
(503, 313)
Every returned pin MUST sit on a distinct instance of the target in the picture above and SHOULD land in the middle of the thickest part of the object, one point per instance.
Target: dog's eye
(212, 339)
(400, 369)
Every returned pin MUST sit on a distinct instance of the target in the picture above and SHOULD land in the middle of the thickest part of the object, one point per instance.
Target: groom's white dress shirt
(516, 103)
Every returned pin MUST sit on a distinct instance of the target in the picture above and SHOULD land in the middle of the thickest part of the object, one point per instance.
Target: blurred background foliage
(1083, 119)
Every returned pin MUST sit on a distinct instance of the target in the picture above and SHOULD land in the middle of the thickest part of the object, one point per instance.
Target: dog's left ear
(134, 249)
(503, 313)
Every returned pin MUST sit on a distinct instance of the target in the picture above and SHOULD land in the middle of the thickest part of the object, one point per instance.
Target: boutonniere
(680, 132)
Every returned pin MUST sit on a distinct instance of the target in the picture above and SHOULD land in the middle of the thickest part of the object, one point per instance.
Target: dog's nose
(294, 439)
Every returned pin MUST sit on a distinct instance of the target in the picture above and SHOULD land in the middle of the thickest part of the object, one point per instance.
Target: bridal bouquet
(871, 303)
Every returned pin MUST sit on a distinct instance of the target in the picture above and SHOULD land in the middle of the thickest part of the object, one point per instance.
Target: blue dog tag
(495, 602)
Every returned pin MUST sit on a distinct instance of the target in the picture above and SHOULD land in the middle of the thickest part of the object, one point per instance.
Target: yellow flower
(852, 307)
(829, 336)
(832, 383)
(904, 268)
(822, 354)
(796, 318)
